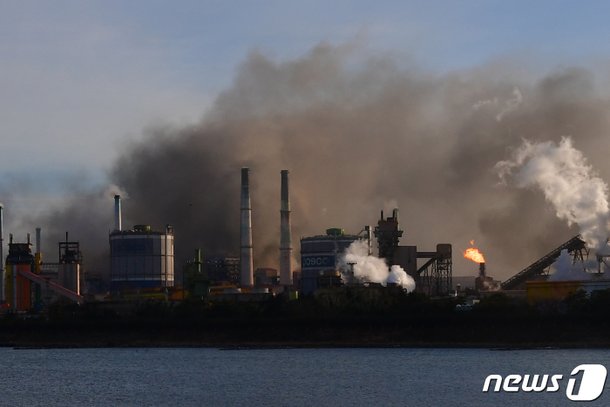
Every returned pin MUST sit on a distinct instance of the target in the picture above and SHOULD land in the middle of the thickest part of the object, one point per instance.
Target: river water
(281, 377)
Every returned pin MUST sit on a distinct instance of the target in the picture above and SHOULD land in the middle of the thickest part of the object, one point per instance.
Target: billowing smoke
(566, 270)
(356, 129)
(400, 277)
(371, 269)
(578, 195)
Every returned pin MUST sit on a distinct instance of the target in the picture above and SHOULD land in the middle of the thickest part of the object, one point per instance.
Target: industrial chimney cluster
(246, 248)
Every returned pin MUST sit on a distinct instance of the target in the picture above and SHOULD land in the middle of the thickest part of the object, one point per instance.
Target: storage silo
(141, 258)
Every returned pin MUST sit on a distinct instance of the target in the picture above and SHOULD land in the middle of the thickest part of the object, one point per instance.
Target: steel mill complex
(142, 265)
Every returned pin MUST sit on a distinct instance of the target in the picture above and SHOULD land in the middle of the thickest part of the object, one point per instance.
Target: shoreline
(499, 347)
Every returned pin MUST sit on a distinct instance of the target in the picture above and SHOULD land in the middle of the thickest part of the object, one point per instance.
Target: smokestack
(38, 232)
(2, 297)
(482, 270)
(246, 261)
(285, 234)
(118, 222)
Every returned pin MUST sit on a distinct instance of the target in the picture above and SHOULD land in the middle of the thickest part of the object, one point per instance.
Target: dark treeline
(344, 317)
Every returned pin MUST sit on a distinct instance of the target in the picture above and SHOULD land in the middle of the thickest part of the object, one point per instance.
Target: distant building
(195, 281)
(222, 269)
(538, 291)
(141, 258)
(320, 256)
(266, 277)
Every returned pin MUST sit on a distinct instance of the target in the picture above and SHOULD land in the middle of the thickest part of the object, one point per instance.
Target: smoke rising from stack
(578, 195)
(357, 130)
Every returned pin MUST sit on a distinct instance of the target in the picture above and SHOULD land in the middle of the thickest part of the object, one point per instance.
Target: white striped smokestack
(285, 234)
(246, 261)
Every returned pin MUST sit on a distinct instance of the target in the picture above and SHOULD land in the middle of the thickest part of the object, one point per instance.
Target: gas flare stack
(246, 261)
(480, 280)
(285, 234)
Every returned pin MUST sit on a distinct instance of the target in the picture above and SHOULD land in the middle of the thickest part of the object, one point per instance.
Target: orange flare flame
(472, 253)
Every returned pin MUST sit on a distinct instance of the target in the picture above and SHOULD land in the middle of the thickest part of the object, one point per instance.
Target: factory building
(141, 258)
(69, 270)
(540, 291)
(18, 291)
(433, 276)
(320, 256)
(194, 279)
(266, 276)
(30, 284)
(222, 269)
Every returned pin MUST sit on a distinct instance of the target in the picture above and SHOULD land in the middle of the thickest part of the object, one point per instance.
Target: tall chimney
(38, 238)
(285, 234)
(482, 270)
(246, 262)
(118, 222)
(2, 297)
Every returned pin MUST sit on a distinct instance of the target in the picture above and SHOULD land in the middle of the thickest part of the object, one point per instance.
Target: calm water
(284, 377)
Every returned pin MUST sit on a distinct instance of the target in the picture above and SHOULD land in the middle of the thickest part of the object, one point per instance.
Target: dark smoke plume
(360, 133)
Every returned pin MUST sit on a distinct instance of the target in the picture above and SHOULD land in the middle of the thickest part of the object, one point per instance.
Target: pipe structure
(38, 234)
(285, 233)
(482, 270)
(2, 272)
(38, 254)
(198, 261)
(246, 260)
(14, 278)
(118, 222)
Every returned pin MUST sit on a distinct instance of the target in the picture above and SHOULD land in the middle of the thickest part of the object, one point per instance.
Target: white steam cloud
(372, 269)
(565, 270)
(578, 195)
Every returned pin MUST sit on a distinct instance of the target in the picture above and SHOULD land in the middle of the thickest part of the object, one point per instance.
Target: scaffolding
(435, 275)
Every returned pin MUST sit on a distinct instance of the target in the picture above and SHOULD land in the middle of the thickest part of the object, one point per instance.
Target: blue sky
(79, 78)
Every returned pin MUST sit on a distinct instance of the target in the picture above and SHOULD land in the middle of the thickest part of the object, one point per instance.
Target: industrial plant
(142, 265)
(140, 257)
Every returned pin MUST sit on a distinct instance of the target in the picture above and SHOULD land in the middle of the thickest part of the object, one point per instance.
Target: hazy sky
(77, 78)
(80, 79)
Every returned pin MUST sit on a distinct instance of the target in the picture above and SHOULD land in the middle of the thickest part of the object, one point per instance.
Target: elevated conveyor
(45, 283)
(575, 244)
